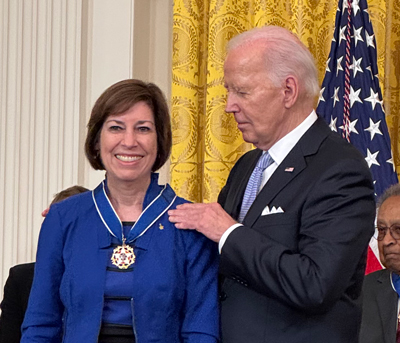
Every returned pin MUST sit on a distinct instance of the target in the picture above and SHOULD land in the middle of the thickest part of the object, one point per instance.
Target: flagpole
(346, 116)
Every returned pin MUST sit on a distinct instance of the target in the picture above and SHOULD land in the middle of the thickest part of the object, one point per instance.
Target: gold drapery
(206, 140)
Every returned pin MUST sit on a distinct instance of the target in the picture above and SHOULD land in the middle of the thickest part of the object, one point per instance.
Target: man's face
(256, 103)
(389, 248)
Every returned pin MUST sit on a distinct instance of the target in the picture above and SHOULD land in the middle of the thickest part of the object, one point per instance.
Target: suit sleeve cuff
(226, 234)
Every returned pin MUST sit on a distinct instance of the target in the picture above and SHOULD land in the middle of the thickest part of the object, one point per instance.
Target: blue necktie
(254, 183)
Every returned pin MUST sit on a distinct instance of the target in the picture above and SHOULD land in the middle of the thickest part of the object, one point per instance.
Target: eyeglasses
(380, 232)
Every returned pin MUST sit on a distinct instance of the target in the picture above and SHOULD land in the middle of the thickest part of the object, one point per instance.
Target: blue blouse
(118, 295)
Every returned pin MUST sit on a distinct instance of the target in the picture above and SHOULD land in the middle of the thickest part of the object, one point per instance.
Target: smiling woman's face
(128, 145)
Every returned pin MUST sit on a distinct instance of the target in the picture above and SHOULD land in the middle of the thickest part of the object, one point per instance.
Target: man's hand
(209, 219)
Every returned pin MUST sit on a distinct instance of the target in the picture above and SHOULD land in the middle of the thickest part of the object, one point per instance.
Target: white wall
(56, 57)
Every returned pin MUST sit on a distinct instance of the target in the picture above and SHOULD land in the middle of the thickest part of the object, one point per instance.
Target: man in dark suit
(380, 290)
(293, 264)
(18, 286)
(16, 296)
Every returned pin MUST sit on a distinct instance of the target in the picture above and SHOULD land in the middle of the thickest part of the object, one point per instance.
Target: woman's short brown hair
(118, 99)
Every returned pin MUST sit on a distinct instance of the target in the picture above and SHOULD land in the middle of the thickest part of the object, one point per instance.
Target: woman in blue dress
(110, 266)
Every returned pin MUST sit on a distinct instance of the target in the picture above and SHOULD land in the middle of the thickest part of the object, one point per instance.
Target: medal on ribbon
(123, 256)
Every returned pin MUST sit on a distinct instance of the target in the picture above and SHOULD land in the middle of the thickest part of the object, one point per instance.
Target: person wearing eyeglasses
(381, 289)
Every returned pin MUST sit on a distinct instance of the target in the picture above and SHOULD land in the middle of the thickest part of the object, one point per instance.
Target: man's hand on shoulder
(209, 219)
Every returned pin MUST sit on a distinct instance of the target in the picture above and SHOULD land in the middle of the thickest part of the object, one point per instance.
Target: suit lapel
(234, 200)
(308, 144)
(278, 181)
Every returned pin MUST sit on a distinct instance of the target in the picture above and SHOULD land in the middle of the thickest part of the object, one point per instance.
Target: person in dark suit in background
(19, 283)
(293, 258)
(381, 289)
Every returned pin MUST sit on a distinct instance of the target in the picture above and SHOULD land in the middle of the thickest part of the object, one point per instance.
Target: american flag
(351, 100)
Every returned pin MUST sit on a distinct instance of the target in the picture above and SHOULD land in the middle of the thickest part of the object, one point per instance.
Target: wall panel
(56, 57)
(40, 59)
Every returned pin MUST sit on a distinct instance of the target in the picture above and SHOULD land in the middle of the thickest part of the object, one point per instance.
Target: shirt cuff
(226, 234)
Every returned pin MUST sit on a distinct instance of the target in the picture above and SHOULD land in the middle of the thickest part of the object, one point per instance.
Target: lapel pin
(289, 169)
(161, 227)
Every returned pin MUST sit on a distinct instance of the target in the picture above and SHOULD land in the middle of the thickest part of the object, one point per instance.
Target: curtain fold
(206, 141)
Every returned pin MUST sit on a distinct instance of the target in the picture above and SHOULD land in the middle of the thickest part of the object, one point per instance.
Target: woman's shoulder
(74, 204)
(173, 197)
(179, 200)
(190, 236)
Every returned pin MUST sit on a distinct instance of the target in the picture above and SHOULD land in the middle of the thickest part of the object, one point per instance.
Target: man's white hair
(391, 191)
(284, 55)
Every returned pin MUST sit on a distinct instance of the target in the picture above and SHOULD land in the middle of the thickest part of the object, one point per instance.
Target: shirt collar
(282, 147)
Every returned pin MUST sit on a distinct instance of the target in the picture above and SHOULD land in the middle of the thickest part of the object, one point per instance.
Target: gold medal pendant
(123, 256)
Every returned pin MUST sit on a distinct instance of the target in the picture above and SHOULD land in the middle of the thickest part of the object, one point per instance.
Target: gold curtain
(206, 141)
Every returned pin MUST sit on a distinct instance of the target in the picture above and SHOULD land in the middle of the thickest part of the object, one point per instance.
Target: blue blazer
(175, 279)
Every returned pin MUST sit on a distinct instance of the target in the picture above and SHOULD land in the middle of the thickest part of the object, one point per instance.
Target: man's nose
(231, 104)
(388, 238)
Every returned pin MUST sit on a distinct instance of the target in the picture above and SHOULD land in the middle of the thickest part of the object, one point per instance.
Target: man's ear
(291, 91)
